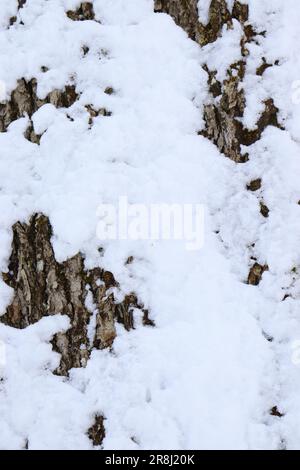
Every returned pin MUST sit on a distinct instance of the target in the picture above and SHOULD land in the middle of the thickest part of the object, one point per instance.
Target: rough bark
(223, 114)
(24, 101)
(254, 185)
(84, 12)
(185, 14)
(42, 287)
(96, 432)
(256, 273)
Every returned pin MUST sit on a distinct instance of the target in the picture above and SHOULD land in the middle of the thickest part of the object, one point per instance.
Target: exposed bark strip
(45, 287)
(185, 14)
(223, 115)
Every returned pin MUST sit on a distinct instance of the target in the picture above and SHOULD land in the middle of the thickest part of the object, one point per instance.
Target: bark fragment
(264, 210)
(109, 90)
(31, 135)
(184, 13)
(264, 66)
(275, 412)
(84, 12)
(254, 185)
(96, 432)
(96, 112)
(256, 273)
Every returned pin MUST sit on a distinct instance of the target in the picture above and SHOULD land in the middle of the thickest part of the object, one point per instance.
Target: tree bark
(223, 114)
(44, 287)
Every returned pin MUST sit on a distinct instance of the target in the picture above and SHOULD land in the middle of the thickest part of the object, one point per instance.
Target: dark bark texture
(24, 101)
(223, 114)
(84, 12)
(45, 287)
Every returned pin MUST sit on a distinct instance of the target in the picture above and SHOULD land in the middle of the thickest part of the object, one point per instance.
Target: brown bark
(256, 273)
(97, 431)
(223, 114)
(24, 101)
(84, 12)
(185, 14)
(43, 286)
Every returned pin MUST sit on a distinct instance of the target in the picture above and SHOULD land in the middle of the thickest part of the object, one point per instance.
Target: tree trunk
(43, 286)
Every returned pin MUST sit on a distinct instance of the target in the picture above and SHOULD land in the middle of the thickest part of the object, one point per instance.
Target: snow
(275, 159)
(229, 50)
(203, 9)
(205, 377)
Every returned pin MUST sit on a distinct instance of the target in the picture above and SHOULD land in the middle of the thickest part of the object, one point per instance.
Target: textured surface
(45, 287)
(223, 116)
(151, 115)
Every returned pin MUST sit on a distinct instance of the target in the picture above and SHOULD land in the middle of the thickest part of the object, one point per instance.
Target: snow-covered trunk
(223, 115)
(45, 287)
(42, 286)
(110, 98)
